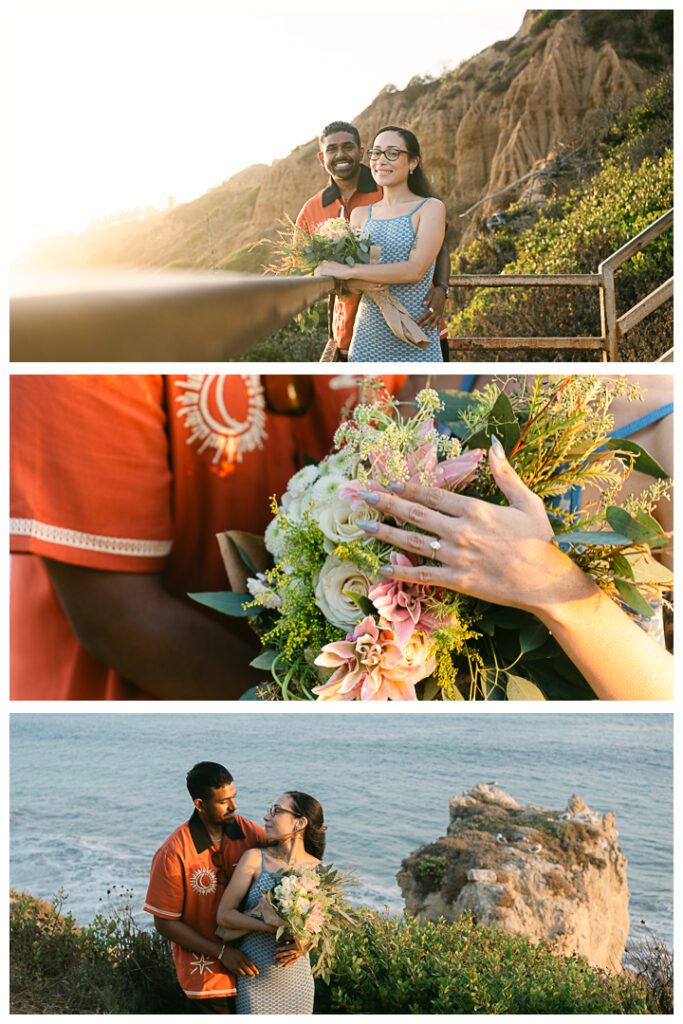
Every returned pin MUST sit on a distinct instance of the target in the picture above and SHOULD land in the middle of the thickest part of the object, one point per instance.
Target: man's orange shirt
(329, 203)
(137, 473)
(184, 886)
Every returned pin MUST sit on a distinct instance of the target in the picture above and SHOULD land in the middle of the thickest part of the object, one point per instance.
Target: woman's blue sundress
(275, 989)
(372, 340)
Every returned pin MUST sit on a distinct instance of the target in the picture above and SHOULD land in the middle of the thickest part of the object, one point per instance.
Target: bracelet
(220, 955)
(438, 284)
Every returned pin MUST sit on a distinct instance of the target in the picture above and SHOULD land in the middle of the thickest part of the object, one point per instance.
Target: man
(119, 484)
(187, 880)
(351, 186)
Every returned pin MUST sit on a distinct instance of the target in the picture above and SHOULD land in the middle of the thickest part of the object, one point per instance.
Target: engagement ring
(435, 545)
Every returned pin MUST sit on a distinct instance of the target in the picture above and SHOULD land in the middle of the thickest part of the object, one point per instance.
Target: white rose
(338, 522)
(335, 577)
(303, 480)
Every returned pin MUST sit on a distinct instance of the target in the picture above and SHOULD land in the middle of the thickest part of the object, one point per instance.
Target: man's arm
(183, 935)
(132, 624)
(435, 299)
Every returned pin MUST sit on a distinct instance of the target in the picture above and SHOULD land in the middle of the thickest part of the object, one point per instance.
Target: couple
(393, 202)
(217, 863)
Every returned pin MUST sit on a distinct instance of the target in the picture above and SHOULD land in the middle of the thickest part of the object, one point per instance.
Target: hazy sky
(118, 104)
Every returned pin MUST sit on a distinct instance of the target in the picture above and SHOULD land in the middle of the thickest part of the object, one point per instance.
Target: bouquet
(309, 904)
(331, 627)
(333, 239)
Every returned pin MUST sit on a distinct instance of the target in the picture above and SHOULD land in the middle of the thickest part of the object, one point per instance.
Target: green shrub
(397, 966)
(110, 966)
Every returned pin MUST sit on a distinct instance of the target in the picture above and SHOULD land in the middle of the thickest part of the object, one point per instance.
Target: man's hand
(434, 300)
(288, 953)
(237, 963)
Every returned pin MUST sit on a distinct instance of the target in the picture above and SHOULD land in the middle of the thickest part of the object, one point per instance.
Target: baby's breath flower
(428, 401)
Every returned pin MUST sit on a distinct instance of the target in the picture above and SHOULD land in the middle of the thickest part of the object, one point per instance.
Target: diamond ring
(435, 545)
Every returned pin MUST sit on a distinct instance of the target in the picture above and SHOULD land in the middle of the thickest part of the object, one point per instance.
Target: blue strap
(468, 382)
(643, 421)
(573, 495)
(369, 211)
(418, 206)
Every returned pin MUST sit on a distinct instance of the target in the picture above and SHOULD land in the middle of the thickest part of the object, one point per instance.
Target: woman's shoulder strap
(643, 421)
(421, 203)
(369, 209)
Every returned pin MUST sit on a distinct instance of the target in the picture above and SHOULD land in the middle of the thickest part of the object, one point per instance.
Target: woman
(408, 224)
(504, 554)
(295, 838)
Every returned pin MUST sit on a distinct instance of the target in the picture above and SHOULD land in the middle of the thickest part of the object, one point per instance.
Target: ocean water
(94, 795)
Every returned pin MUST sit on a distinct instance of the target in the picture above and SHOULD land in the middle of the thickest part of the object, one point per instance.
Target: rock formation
(503, 113)
(555, 876)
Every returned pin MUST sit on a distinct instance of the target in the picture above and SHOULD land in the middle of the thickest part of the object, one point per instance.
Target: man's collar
(366, 183)
(202, 839)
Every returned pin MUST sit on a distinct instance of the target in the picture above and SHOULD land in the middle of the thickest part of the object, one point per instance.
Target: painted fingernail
(366, 525)
(387, 570)
(397, 488)
(369, 497)
(497, 447)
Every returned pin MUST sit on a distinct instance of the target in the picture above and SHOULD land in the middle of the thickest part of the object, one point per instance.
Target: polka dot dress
(372, 340)
(275, 989)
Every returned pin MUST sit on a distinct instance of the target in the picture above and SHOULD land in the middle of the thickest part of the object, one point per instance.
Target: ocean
(94, 795)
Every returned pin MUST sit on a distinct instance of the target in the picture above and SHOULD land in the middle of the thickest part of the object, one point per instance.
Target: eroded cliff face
(502, 114)
(505, 112)
(555, 876)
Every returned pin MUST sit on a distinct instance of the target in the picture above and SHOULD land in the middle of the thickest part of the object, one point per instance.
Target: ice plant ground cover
(312, 905)
(297, 252)
(332, 627)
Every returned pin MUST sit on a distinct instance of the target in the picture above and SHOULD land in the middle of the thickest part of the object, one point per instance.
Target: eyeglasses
(217, 861)
(273, 811)
(392, 153)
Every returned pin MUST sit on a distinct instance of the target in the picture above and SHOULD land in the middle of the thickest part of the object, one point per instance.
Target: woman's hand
(341, 271)
(505, 555)
(499, 554)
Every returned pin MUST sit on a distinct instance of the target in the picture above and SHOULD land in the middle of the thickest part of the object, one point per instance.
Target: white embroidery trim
(160, 910)
(89, 541)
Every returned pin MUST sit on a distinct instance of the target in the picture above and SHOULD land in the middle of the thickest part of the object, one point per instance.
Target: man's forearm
(152, 638)
(183, 935)
(442, 267)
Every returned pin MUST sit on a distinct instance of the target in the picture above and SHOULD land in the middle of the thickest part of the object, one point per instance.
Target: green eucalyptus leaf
(350, 260)
(596, 537)
(623, 566)
(266, 659)
(246, 559)
(363, 602)
(622, 522)
(522, 689)
(633, 598)
(250, 694)
(643, 461)
(532, 637)
(503, 422)
(229, 603)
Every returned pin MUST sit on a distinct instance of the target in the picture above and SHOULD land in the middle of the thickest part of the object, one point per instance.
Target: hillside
(509, 110)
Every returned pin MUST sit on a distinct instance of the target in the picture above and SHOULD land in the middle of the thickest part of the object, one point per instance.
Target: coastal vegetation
(391, 965)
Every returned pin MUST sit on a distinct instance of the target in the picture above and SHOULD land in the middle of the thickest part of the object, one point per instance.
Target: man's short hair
(339, 126)
(205, 776)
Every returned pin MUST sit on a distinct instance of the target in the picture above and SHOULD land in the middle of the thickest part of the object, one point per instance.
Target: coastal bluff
(556, 876)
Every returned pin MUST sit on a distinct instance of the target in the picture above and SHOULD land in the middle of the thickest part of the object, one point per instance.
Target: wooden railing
(146, 316)
(613, 328)
(152, 317)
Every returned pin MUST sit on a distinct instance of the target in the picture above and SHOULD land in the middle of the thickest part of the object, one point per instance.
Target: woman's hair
(305, 806)
(417, 179)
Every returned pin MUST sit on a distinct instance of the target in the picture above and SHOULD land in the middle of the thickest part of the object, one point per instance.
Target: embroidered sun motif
(203, 881)
(203, 407)
(201, 964)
